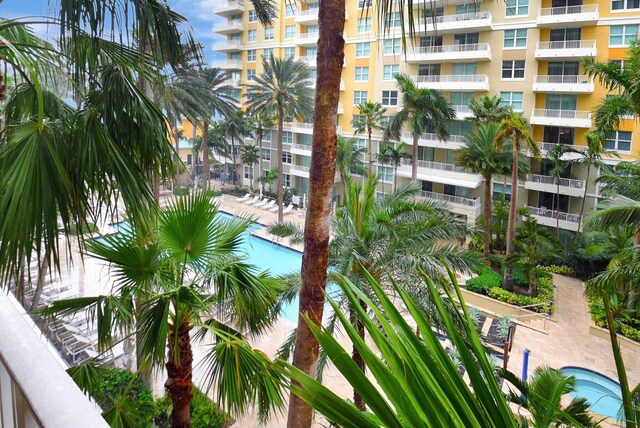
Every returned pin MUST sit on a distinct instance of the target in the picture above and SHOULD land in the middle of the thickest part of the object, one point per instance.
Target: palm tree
(250, 156)
(283, 88)
(488, 110)
(542, 396)
(612, 244)
(479, 154)
(390, 154)
(236, 128)
(192, 265)
(269, 178)
(591, 157)
(422, 109)
(558, 168)
(369, 118)
(261, 121)
(515, 128)
(348, 161)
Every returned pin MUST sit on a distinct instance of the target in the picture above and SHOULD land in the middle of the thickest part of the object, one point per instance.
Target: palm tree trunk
(414, 156)
(233, 159)
(205, 153)
(584, 198)
(179, 385)
(42, 272)
(321, 175)
(558, 210)
(260, 157)
(369, 145)
(507, 281)
(627, 403)
(280, 172)
(343, 185)
(395, 177)
(487, 217)
(357, 358)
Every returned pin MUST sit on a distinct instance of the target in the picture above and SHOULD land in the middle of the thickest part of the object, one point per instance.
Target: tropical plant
(559, 167)
(591, 156)
(515, 128)
(348, 161)
(236, 128)
(369, 118)
(250, 156)
(392, 154)
(479, 154)
(283, 89)
(261, 122)
(612, 244)
(488, 110)
(190, 275)
(422, 110)
(542, 397)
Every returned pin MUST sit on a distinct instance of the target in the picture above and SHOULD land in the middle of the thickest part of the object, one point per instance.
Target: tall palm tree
(515, 128)
(422, 109)
(261, 122)
(591, 156)
(192, 276)
(269, 178)
(559, 167)
(488, 109)
(235, 127)
(479, 154)
(282, 88)
(250, 156)
(369, 118)
(348, 161)
(392, 154)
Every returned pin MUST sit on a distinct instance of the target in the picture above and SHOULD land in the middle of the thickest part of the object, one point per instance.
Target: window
(364, 25)
(251, 55)
(498, 190)
(357, 118)
(266, 136)
(429, 41)
(269, 33)
(311, 52)
(237, 37)
(515, 38)
(385, 173)
(287, 137)
(391, 46)
(463, 9)
(360, 97)
(313, 75)
(390, 71)
(252, 35)
(364, 3)
(625, 4)
(289, 31)
(253, 16)
(430, 12)
(561, 102)
(517, 7)
(286, 157)
(291, 9)
(389, 98)
(619, 141)
(513, 99)
(566, 68)
(236, 17)
(466, 38)
(558, 135)
(565, 34)
(384, 121)
(189, 159)
(247, 172)
(234, 75)
(267, 53)
(362, 74)
(464, 69)
(289, 52)
(622, 35)
(461, 98)
(235, 94)
(266, 154)
(361, 143)
(394, 20)
(429, 70)
(362, 49)
(286, 180)
(251, 75)
(513, 69)
(235, 55)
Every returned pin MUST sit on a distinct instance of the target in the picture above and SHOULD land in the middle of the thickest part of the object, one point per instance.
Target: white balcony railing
(463, 17)
(229, 45)
(472, 47)
(568, 10)
(229, 26)
(461, 109)
(456, 139)
(564, 80)
(543, 212)
(300, 168)
(309, 36)
(457, 200)
(307, 12)
(567, 44)
(305, 147)
(453, 78)
(302, 125)
(545, 147)
(439, 166)
(562, 114)
(564, 182)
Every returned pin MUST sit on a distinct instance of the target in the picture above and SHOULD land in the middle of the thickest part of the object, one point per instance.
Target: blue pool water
(603, 393)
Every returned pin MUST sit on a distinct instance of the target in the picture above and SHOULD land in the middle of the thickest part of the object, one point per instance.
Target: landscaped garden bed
(624, 321)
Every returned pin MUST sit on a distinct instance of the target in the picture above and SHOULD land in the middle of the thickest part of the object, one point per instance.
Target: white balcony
(229, 8)
(233, 82)
(573, 153)
(229, 27)
(302, 128)
(232, 64)
(549, 218)
(340, 108)
(454, 82)
(458, 205)
(301, 149)
(432, 140)
(342, 85)
(568, 16)
(563, 84)
(565, 118)
(299, 171)
(565, 49)
(545, 183)
(309, 60)
(439, 172)
(462, 112)
(450, 53)
(228, 46)
(478, 21)
(307, 39)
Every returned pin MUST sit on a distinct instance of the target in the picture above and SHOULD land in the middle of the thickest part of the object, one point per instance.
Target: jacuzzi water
(602, 393)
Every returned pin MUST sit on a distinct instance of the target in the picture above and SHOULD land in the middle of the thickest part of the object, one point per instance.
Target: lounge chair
(253, 200)
(269, 205)
(263, 202)
(288, 209)
(244, 198)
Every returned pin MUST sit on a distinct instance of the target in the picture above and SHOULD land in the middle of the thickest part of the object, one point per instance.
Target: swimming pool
(602, 392)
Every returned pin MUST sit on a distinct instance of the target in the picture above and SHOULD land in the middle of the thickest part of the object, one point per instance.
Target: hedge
(599, 317)
(485, 281)
(204, 412)
(560, 270)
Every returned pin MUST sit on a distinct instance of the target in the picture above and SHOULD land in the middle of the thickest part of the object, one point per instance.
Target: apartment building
(528, 52)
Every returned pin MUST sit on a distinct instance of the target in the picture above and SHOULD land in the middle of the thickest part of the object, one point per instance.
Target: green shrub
(204, 412)
(560, 270)
(545, 297)
(496, 260)
(181, 192)
(485, 281)
(600, 318)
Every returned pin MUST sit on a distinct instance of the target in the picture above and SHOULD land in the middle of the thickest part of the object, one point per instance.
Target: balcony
(458, 205)
(229, 8)
(302, 128)
(300, 171)
(565, 49)
(228, 46)
(340, 108)
(439, 172)
(309, 60)
(233, 82)
(432, 140)
(545, 183)
(454, 82)
(307, 39)
(571, 155)
(468, 22)
(301, 149)
(450, 53)
(565, 118)
(232, 64)
(462, 112)
(568, 16)
(229, 27)
(563, 84)
(550, 218)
